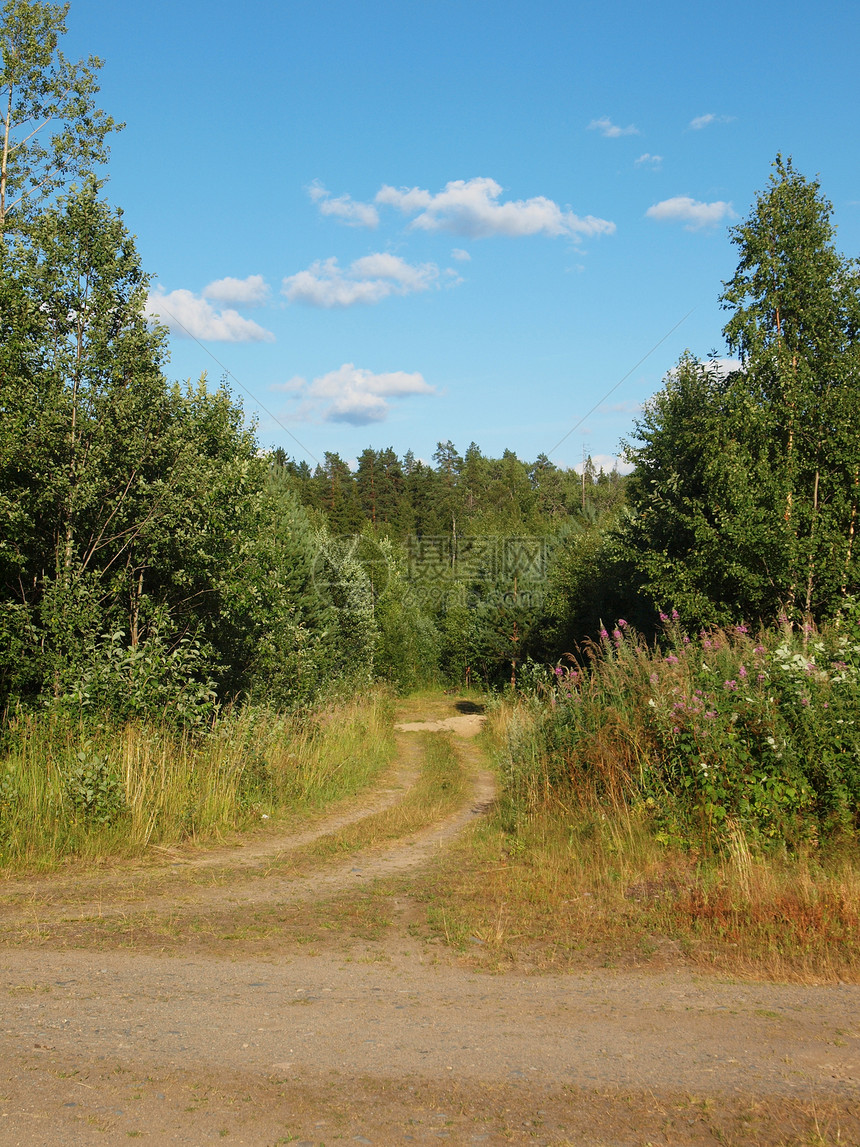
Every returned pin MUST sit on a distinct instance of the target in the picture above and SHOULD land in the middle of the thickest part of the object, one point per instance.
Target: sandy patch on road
(464, 725)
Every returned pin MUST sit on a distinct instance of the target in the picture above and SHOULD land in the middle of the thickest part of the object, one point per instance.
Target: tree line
(153, 559)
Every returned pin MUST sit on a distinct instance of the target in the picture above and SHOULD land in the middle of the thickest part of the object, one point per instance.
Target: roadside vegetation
(694, 800)
(198, 631)
(97, 791)
(686, 781)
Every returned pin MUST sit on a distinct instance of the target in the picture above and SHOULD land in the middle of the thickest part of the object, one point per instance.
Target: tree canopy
(744, 503)
(52, 131)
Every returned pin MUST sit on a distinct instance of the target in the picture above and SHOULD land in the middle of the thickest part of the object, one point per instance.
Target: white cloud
(351, 394)
(648, 160)
(250, 292)
(611, 130)
(470, 207)
(188, 316)
(724, 366)
(705, 120)
(461, 255)
(607, 463)
(690, 211)
(367, 280)
(343, 207)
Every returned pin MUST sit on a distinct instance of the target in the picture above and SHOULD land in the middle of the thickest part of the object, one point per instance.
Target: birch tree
(796, 327)
(51, 131)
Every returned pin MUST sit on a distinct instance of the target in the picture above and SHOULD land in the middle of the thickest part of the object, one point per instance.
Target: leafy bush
(407, 654)
(93, 789)
(706, 731)
(153, 678)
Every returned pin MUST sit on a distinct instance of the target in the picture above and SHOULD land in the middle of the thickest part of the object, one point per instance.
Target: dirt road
(379, 1036)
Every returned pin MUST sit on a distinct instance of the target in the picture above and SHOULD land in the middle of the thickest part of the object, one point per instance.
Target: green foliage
(149, 679)
(745, 499)
(700, 535)
(94, 791)
(150, 557)
(282, 630)
(73, 785)
(449, 527)
(343, 579)
(407, 654)
(8, 796)
(52, 131)
(703, 732)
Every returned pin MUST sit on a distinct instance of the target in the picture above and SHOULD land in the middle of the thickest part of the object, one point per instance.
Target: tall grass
(702, 793)
(72, 788)
(705, 731)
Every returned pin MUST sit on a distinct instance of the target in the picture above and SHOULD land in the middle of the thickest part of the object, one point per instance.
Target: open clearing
(288, 989)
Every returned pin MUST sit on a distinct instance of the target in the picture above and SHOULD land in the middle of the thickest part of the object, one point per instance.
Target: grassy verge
(71, 790)
(562, 880)
(362, 914)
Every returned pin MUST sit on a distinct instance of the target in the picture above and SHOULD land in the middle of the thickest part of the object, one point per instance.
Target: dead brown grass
(599, 889)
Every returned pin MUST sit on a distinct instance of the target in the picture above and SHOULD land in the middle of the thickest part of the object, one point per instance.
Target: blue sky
(396, 223)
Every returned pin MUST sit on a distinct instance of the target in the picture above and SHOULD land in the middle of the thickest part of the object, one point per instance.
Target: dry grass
(559, 883)
(439, 790)
(75, 791)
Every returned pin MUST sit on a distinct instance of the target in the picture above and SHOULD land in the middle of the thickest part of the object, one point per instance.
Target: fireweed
(702, 732)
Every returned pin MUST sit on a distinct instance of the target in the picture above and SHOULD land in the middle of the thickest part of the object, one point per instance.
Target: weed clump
(705, 732)
(695, 801)
(73, 786)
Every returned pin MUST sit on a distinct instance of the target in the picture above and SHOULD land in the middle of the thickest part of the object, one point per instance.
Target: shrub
(706, 730)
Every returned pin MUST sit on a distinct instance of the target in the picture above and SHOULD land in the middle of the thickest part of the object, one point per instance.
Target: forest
(684, 640)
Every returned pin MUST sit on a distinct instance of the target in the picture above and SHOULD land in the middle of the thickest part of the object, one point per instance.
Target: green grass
(97, 791)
